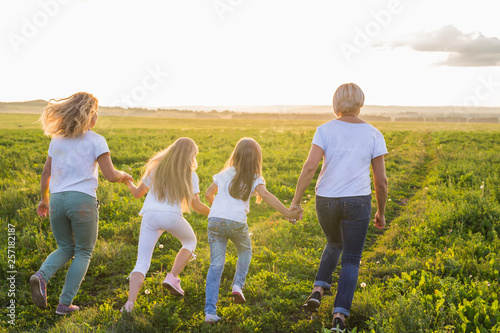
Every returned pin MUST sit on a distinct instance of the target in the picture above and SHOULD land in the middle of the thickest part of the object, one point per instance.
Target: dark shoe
(313, 302)
(338, 325)
(38, 290)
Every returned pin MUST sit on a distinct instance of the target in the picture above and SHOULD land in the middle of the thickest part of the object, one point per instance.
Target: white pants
(153, 224)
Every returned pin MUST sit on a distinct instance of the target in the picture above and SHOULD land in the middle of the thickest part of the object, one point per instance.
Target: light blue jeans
(73, 217)
(219, 231)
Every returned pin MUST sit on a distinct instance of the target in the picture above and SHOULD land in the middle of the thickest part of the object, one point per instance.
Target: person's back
(348, 151)
(348, 146)
(74, 162)
(70, 175)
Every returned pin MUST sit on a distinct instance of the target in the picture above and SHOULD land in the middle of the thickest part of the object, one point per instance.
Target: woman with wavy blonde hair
(70, 174)
(173, 188)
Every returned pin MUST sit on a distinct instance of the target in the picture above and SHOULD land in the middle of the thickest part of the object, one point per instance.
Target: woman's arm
(108, 170)
(274, 202)
(199, 206)
(210, 193)
(307, 173)
(380, 180)
(137, 192)
(43, 206)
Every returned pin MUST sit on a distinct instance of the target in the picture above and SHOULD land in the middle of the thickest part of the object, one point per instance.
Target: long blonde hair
(69, 117)
(171, 171)
(246, 158)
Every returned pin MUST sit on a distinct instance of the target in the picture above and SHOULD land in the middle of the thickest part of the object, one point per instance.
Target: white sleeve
(318, 139)
(379, 148)
(147, 181)
(216, 178)
(101, 147)
(257, 182)
(50, 152)
(196, 183)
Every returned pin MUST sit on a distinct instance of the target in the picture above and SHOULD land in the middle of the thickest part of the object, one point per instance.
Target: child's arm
(108, 170)
(274, 202)
(43, 206)
(199, 206)
(136, 191)
(210, 193)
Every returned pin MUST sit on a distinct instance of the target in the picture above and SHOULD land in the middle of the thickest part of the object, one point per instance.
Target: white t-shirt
(348, 151)
(224, 205)
(74, 163)
(153, 203)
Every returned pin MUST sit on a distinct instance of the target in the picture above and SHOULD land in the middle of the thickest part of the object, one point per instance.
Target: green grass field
(435, 268)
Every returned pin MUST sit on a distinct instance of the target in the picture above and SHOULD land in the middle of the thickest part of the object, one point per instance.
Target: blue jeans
(345, 223)
(73, 217)
(219, 231)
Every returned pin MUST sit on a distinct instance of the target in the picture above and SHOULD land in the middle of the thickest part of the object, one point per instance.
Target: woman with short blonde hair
(347, 146)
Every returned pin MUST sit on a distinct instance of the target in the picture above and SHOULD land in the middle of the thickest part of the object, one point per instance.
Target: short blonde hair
(171, 170)
(348, 98)
(69, 117)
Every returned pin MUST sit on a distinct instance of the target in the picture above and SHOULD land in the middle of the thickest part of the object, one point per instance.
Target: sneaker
(173, 285)
(38, 290)
(338, 325)
(211, 318)
(313, 302)
(63, 309)
(128, 307)
(238, 296)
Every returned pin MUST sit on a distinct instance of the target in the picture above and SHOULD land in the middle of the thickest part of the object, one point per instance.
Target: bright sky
(251, 52)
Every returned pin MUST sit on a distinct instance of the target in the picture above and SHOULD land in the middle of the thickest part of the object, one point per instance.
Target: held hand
(42, 209)
(379, 220)
(125, 177)
(295, 213)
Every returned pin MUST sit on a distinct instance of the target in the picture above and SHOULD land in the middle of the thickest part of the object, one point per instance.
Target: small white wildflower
(389, 200)
(250, 234)
(308, 195)
(378, 262)
(363, 284)
(147, 291)
(160, 246)
(470, 275)
(285, 200)
(481, 187)
(426, 188)
(488, 284)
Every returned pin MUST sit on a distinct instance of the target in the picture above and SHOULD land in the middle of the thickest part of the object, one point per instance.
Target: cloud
(464, 50)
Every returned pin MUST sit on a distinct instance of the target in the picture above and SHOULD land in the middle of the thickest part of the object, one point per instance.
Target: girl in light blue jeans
(234, 186)
(70, 174)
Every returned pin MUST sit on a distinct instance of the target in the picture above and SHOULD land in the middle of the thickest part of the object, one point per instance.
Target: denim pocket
(322, 204)
(358, 208)
(213, 230)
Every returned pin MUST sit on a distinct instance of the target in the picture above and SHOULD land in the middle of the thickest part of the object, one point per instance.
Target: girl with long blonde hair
(70, 175)
(240, 179)
(173, 188)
